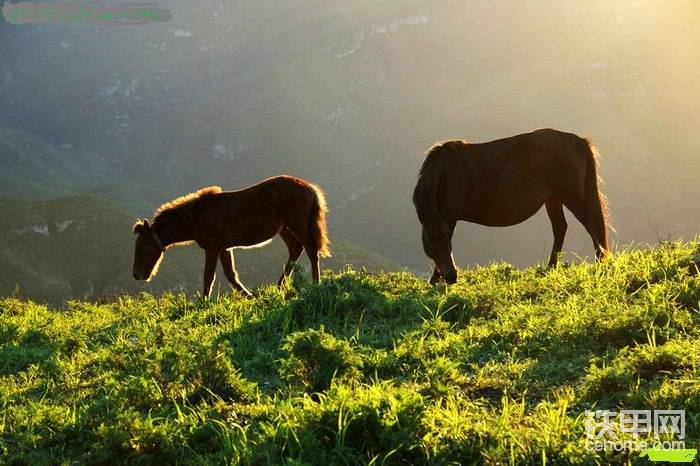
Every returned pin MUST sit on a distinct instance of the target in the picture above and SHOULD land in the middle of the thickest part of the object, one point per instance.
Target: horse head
(148, 251)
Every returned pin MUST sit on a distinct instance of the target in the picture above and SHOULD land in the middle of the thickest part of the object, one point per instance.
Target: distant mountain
(34, 169)
(351, 94)
(82, 247)
(31, 167)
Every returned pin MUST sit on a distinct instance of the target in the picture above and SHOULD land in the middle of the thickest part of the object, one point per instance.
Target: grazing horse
(220, 220)
(505, 182)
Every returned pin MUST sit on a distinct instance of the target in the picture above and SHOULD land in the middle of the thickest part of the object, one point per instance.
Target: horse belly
(509, 207)
(254, 231)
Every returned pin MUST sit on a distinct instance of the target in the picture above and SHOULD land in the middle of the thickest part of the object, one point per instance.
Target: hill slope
(497, 369)
(81, 246)
(31, 167)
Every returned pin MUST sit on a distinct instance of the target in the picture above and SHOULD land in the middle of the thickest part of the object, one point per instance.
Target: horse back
(541, 153)
(505, 181)
(254, 214)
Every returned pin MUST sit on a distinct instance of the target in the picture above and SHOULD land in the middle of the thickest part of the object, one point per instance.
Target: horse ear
(140, 226)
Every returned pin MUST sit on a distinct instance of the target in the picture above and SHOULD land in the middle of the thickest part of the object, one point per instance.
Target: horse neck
(172, 234)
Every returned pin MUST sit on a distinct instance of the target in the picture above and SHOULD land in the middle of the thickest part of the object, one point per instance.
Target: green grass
(363, 368)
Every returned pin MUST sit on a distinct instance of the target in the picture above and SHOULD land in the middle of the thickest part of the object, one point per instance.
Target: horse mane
(182, 207)
(431, 157)
(426, 193)
(447, 145)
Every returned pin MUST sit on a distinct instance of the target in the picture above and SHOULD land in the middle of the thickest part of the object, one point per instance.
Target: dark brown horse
(220, 220)
(505, 182)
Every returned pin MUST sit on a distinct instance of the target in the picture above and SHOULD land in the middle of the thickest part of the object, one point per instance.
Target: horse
(505, 182)
(221, 220)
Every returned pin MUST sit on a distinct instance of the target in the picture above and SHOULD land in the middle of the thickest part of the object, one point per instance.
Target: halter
(156, 240)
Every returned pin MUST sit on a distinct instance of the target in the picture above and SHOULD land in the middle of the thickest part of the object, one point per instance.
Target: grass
(361, 369)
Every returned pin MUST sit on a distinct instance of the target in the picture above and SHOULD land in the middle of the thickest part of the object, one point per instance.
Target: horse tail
(595, 207)
(427, 191)
(317, 221)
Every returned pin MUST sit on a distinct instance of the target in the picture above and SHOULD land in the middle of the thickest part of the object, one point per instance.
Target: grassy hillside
(32, 167)
(76, 246)
(82, 247)
(362, 368)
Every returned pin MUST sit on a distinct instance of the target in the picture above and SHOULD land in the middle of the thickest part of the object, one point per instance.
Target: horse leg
(596, 232)
(312, 253)
(437, 276)
(210, 259)
(227, 262)
(595, 224)
(295, 248)
(450, 274)
(555, 211)
(298, 227)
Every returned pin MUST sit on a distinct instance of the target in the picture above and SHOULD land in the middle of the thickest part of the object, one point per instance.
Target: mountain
(32, 167)
(351, 94)
(81, 246)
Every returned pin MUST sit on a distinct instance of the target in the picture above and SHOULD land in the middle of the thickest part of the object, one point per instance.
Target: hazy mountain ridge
(30, 167)
(350, 95)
